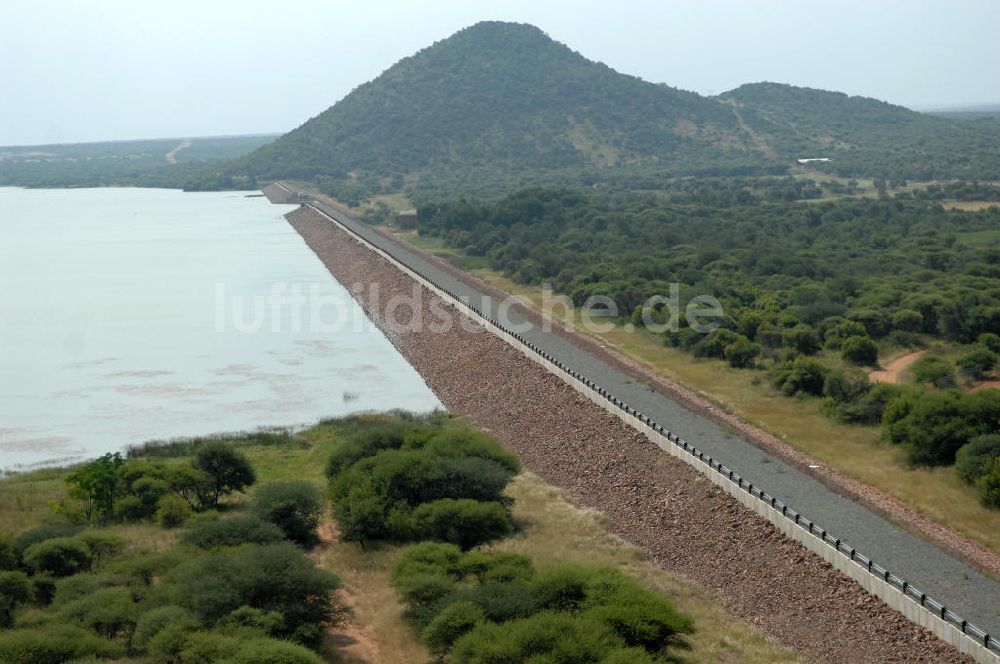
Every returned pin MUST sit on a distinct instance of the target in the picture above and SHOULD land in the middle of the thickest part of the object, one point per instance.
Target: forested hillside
(500, 106)
(867, 137)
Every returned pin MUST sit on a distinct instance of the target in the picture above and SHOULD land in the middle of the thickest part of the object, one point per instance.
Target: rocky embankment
(678, 517)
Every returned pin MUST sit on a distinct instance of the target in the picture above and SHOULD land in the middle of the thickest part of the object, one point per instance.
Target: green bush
(800, 375)
(741, 353)
(497, 566)
(110, 613)
(384, 435)
(934, 426)
(154, 621)
(172, 511)
(233, 532)
(60, 556)
(273, 577)
(990, 341)
(228, 469)
(103, 546)
(934, 370)
(449, 625)
(972, 458)
(714, 344)
(802, 339)
(859, 350)
(8, 554)
(15, 591)
(54, 645)
(79, 586)
(464, 522)
(27, 538)
(977, 363)
(293, 506)
(271, 651)
(908, 320)
(467, 442)
(988, 484)
(545, 637)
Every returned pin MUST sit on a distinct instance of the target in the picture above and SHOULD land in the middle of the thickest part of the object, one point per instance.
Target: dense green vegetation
(400, 480)
(800, 285)
(129, 163)
(496, 607)
(234, 590)
(867, 137)
(236, 586)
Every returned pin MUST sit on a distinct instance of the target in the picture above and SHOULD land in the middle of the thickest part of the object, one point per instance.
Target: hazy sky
(86, 70)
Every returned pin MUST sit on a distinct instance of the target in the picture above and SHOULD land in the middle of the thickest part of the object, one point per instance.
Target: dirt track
(684, 522)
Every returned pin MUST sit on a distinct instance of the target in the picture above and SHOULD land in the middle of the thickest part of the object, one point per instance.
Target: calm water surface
(131, 314)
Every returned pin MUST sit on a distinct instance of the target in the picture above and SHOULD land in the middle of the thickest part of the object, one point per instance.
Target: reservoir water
(133, 314)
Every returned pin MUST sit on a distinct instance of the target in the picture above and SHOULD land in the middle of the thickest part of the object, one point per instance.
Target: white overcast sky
(89, 70)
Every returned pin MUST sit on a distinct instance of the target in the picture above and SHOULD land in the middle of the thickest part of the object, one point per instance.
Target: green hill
(504, 97)
(499, 106)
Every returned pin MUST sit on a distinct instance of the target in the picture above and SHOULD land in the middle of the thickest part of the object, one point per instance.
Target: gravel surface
(677, 516)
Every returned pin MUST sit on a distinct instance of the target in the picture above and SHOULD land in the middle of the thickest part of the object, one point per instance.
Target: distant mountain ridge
(499, 99)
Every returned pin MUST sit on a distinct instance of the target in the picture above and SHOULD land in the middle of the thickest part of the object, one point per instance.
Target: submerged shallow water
(131, 314)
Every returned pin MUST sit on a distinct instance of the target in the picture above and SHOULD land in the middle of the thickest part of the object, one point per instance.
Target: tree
(802, 374)
(97, 484)
(172, 511)
(293, 506)
(228, 470)
(860, 350)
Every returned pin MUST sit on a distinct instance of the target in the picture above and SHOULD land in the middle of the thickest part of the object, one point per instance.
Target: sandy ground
(893, 370)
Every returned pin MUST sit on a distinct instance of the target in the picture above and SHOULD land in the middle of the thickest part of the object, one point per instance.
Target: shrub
(989, 484)
(860, 350)
(233, 532)
(803, 340)
(497, 566)
(273, 577)
(714, 344)
(271, 651)
(293, 506)
(935, 425)
(228, 470)
(464, 522)
(110, 613)
(990, 341)
(15, 591)
(741, 353)
(470, 443)
(934, 370)
(365, 443)
(156, 620)
(802, 374)
(977, 363)
(53, 645)
(35, 535)
(971, 459)
(908, 320)
(266, 622)
(44, 588)
(8, 554)
(172, 511)
(546, 637)
(449, 625)
(61, 556)
(103, 546)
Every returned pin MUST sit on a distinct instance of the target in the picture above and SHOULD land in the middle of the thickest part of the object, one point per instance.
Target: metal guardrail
(988, 641)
